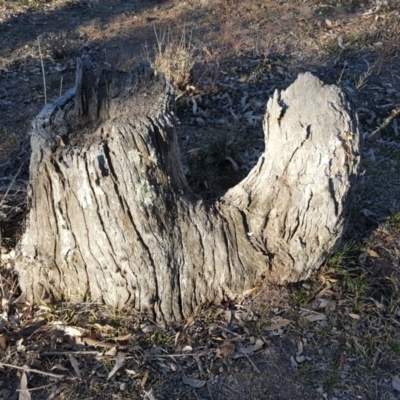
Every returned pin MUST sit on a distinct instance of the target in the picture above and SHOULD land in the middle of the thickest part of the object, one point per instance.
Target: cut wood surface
(112, 218)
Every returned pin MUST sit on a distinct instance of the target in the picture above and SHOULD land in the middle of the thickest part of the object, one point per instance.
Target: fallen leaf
(71, 331)
(144, 379)
(226, 349)
(132, 372)
(112, 352)
(396, 382)
(149, 395)
(189, 322)
(75, 366)
(315, 317)
(354, 316)
(250, 349)
(59, 367)
(299, 348)
(233, 163)
(187, 349)
(97, 343)
(24, 393)
(247, 292)
(122, 338)
(342, 360)
(300, 359)
(103, 328)
(278, 323)
(194, 383)
(118, 364)
(228, 316)
(20, 346)
(320, 303)
(3, 342)
(176, 339)
(373, 253)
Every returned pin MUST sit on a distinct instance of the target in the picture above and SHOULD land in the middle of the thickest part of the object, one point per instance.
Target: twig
(61, 82)
(39, 387)
(394, 113)
(35, 371)
(43, 74)
(66, 353)
(341, 74)
(251, 362)
(202, 353)
(12, 182)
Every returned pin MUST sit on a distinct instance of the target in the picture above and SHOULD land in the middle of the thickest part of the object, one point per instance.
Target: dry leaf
(342, 360)
(187, 349)
(354, 316)
(118, 364)
(373, 253)
(293, 362)
(75, 366)
(228, 316)
(59, 367)
(250, 349)
(132, 372)
(3, 321)
(112, 352)
(97, 343)
(149, 395)
(226, 349)
(315, 317)
(3, 342)
(24, 393)
(278, 323)
(299, 347)
(20, 346)
(300, 359)
(189, 322)
(233, 163)
(176, 339)
(320, 303)
(144, 379)
(71, 331)
(247, 292)
(122, 338)
(194, 383)
(396, 382)
(103, 328)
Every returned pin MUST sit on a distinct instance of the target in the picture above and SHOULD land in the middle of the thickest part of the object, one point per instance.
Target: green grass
(346, 254)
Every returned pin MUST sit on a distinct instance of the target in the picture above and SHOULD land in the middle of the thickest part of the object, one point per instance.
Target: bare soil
(334, 337)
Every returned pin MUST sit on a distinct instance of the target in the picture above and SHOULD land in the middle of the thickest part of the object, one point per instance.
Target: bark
(113, 219)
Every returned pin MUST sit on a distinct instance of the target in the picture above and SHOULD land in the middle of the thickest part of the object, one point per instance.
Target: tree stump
(112, 219)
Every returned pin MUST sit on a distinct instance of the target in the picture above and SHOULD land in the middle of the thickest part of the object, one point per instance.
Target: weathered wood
(113, 219)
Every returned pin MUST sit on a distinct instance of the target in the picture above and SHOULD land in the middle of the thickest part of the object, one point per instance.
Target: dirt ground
(334, 337)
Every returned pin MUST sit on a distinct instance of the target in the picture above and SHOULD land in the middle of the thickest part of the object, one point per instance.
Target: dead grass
(174, 58)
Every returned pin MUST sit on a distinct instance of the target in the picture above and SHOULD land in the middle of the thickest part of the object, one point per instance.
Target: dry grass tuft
(174, 58)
